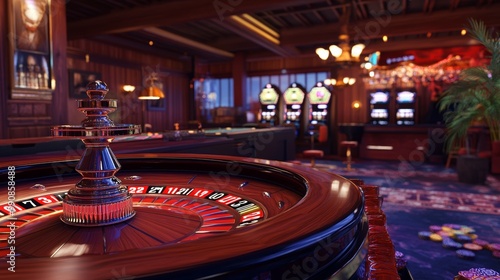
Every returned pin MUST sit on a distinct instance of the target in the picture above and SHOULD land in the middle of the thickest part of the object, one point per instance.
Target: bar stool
(312, 153)
(348, 145)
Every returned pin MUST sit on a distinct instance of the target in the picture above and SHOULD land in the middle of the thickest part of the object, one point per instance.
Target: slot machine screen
(406, 97)
(379, 97)
(268, 96)
(319, 95)
(294, 95)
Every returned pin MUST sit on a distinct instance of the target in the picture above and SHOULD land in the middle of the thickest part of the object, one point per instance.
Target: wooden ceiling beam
(395, 25)
(187, 42)
(241, 31)
(169, 13)
(428, 43)
(362, 9)
(426, 6)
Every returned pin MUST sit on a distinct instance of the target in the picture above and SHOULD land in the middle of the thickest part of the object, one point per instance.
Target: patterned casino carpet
(417, 196)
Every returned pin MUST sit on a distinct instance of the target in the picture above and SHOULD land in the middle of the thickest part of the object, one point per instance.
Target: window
(215, 92)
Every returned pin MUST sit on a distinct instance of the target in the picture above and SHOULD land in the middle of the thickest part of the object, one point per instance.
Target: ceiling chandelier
(344, 55)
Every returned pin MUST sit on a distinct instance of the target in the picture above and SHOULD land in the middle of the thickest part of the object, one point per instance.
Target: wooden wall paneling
(4, 74)
(176, 92)
(272, 66)
(121, 66)
(60, 97)
(220, 70)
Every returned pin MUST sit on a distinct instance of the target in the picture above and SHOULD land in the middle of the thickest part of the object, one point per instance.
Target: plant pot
(495, 148)
(472, 169)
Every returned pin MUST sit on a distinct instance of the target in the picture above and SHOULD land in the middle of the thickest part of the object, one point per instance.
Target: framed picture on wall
(157, 105)
(78, 81)
(30, 45)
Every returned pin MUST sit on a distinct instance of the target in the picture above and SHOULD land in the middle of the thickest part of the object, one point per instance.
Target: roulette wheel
(195, 217)
(175, 216)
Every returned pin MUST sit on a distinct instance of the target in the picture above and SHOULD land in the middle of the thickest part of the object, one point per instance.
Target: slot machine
(319, 103)
(294, 100)
(405, 107)
(379, 107)
(269, 99)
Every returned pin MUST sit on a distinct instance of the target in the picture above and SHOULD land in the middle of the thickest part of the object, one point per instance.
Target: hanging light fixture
(344, 81)
(343, 54)
(151, 91)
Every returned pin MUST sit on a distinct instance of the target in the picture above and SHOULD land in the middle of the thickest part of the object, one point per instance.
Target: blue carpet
(419, 195)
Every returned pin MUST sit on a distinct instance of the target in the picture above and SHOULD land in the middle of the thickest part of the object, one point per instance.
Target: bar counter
(408, 143)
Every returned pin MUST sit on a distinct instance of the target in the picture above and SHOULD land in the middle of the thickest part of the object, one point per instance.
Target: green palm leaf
(475, 96)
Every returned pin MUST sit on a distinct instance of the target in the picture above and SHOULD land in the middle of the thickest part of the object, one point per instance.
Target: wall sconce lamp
(127, 89)
(356, 104)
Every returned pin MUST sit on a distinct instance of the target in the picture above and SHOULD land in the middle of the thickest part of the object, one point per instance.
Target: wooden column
(239, 79)
(60, 95)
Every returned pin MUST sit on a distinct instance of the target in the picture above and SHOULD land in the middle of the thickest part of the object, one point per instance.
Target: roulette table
(197, 217)
(176, 216)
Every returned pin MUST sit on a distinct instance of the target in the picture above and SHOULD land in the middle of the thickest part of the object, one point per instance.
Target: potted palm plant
(474, 99)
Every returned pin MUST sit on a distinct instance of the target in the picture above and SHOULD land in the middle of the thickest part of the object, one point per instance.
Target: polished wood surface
(325, 205)
(276, 143)
(402, 143)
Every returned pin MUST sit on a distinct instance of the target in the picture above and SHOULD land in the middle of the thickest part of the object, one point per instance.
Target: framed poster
(157, 105)
(31, 57)
(78, 81)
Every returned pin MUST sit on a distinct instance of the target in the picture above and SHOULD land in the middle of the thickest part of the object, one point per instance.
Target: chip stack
(478, 274)
(381, 262)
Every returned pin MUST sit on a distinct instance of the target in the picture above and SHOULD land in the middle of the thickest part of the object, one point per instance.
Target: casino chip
(400, 260)
(436, 237)
(496, 254)
(448, 243)
(452, 226)
(426, 235)
(435, 228)
(462, 238)
(494, 247)
(480, 242)
(465, 254)
(472, 247)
